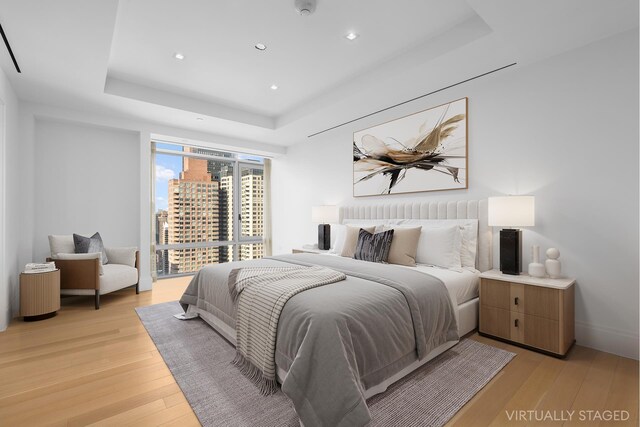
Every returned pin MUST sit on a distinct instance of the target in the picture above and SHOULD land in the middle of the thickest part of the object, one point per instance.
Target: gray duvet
(336, 341)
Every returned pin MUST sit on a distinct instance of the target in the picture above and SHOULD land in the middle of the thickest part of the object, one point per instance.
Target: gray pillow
(88, 245)
(373, 247)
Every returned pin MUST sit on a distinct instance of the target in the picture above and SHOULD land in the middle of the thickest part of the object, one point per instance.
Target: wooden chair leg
(137, 288)
(97, 299)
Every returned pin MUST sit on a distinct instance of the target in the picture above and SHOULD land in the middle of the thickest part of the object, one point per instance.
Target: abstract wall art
(425, 151)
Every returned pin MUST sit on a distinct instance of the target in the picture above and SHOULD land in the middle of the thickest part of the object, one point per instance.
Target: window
(208, 207)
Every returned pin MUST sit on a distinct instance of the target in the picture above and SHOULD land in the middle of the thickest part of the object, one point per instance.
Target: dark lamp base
(510, 251)
(324, 237)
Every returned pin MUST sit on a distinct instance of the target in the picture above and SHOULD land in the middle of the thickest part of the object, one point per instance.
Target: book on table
(44, 267)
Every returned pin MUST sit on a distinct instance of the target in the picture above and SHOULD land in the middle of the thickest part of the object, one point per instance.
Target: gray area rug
(200, 361)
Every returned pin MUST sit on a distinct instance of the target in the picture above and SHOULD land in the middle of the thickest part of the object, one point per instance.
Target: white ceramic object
(536, 268)
(552, 264)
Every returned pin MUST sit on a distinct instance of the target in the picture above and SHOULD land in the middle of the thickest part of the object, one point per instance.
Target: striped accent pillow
(373, 247)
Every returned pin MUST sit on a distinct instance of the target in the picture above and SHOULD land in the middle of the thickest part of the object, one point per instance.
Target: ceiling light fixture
(274, 87)
(305, 7)
(179, 56)
(261, 46)
(351, 36)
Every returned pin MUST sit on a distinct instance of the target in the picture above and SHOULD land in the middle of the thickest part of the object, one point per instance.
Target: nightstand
(39, 295)
(531, 312)
(304, 250)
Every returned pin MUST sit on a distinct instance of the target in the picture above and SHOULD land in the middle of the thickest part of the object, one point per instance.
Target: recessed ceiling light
(351, 36)
(179, 56)
(261, 46)
(274, 87)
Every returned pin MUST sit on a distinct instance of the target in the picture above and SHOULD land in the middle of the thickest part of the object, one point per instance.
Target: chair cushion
(61, 244)
(125, 256)
(115, 277)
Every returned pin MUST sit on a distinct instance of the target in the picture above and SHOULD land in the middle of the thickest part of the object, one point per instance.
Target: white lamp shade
(325, 214)
(512, 211)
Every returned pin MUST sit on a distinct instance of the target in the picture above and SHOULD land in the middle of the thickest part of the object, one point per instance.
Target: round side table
(39, 295)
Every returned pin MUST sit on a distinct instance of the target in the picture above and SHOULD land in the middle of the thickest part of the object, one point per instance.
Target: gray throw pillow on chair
(87, 245)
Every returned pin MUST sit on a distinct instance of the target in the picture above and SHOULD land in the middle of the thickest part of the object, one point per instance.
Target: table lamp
(324, 215)
(511, 212)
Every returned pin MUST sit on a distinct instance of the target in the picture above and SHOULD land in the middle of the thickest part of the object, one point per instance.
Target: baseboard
(610, 340)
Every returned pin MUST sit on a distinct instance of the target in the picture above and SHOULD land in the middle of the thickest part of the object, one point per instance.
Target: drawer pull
(516, 301)
(516, 323)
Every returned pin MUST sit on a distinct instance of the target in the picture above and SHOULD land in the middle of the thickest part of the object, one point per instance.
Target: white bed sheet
(462, 286)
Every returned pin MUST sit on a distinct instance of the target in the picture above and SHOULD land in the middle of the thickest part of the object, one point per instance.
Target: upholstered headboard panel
(463, 209)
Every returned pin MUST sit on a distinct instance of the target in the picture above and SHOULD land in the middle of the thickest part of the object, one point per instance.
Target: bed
(370, 317)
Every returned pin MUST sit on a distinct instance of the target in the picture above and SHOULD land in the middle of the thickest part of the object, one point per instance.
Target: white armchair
(84, 274)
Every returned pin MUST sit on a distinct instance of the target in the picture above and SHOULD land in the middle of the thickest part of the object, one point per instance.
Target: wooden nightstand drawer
(495, 293)
(495, 321)
(541, 333)
(542, 302)
(533, 300)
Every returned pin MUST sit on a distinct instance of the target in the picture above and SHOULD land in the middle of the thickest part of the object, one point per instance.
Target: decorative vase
(536, 269)
(552, 264)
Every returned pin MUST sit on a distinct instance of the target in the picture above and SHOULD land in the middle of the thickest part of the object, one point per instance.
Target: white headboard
(463, 209)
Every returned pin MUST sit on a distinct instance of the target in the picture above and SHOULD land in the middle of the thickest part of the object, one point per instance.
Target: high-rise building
(221, 171)
(193, 216)
(162, 255)
(161, 218)
(161, 260)
(226, 217)
(251, 211)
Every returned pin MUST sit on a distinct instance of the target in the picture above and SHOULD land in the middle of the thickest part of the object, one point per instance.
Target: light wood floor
(100, 367)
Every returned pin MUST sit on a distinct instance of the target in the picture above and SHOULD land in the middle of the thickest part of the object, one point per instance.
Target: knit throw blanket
(261, 294)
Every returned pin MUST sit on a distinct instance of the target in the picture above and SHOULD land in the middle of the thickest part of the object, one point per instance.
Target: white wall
(16, 203)
(564, 130)
(86, 180)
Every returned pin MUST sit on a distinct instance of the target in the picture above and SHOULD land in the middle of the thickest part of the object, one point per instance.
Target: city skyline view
(195, 206)
(169, 166)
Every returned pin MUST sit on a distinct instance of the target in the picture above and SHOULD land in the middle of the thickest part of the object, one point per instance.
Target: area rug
(200, 361)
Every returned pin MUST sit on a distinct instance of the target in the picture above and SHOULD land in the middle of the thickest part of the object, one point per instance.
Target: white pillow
(338, 234)
(469, 228)
(123, 256)
(61, 244)
(440, 246)
(469, 247)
